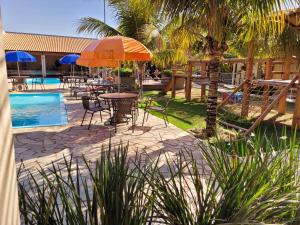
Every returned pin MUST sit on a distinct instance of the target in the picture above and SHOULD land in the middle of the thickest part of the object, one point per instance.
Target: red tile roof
(44, 43)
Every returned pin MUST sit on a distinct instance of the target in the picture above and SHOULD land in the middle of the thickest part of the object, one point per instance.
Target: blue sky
(57, 17)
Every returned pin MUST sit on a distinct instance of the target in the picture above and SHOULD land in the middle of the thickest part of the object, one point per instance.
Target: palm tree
(219, 20)
(143, 21)
(137, 19)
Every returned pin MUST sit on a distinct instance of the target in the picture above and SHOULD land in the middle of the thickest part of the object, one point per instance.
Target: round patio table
(114, 97)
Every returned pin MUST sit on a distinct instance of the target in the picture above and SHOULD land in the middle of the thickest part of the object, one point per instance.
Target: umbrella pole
(141, 81)
(18, 69)
(119, 79)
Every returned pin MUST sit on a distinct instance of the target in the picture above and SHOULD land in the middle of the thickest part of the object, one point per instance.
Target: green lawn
(188, 115)
(183, 114)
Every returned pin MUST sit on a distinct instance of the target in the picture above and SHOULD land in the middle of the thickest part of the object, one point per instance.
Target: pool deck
(42, 145)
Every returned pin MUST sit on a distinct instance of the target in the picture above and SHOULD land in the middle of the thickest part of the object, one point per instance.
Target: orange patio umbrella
(96, 63)
(110, 51)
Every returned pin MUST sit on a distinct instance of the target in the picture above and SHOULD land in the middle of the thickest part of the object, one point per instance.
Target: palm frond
(133, 17)
(288, 43)
(167, 57)
(95, 26)
(153, 37)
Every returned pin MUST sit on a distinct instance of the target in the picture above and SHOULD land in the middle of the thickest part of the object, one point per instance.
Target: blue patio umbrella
(69, 59)
(19, 56)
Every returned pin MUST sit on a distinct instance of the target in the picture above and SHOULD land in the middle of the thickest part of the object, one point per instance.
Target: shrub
(124, 72)
(167, 73)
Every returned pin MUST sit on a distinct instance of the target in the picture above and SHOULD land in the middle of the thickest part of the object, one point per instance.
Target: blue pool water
(46, 80)
(34, 110)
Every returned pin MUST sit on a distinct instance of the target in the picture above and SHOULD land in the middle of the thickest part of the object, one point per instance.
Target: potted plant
(126, 72)
(167, 76)
(126, 75)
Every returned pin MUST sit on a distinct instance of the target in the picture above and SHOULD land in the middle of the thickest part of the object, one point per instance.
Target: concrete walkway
(43, 145)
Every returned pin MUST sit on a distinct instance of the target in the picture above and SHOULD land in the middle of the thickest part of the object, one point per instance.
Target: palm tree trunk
(212, 99)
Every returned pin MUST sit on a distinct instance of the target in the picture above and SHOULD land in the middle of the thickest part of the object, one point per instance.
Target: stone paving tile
(43, 145)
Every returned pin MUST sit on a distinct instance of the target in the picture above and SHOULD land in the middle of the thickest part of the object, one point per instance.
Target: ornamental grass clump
(105, 192)
(259, 178)
(262, 186)
(215, 184)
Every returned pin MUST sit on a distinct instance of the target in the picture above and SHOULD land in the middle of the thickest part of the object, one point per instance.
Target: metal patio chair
(161, 109)
(123, 111)
(38, 81)
(92, 106)
(63, 82)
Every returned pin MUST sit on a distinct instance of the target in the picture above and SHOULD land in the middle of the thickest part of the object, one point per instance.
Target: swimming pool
(35, 110)
(47, 80)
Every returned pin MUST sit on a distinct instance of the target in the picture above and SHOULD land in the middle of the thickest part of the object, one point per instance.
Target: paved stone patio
(43, 145)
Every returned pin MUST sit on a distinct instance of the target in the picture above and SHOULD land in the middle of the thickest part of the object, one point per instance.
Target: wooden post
(188, 84)
(203, 86)
(234, 66)
(268, 76)
(173, 82)
(249, 75)
(296, 116)
(286, 76)
(140, 74)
